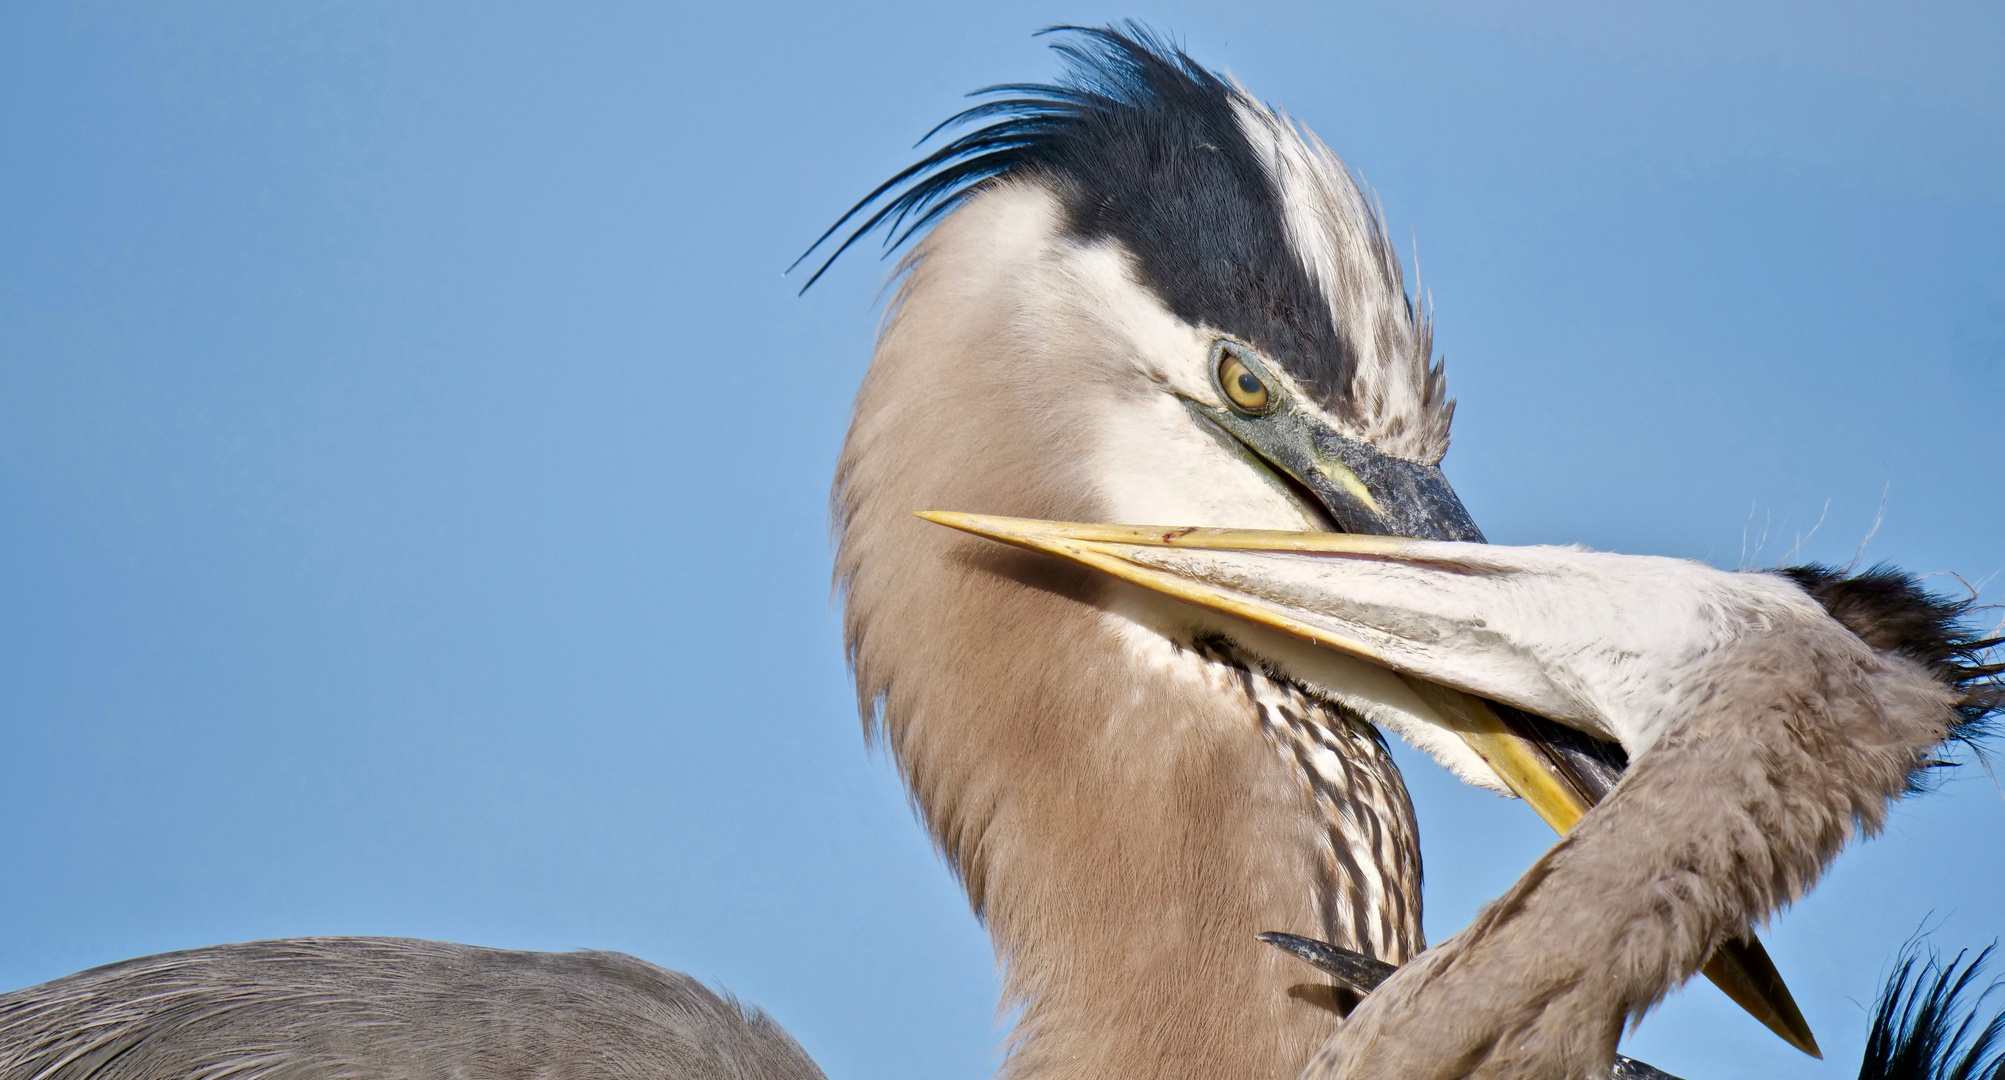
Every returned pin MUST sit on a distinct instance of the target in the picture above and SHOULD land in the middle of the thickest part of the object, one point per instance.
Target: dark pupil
(1248, 385)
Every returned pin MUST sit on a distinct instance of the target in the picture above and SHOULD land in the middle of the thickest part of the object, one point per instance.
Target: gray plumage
(1770, 719)
(365, 1008)
(1156, 300)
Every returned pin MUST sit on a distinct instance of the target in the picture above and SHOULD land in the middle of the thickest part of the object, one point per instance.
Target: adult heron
(1140, 296)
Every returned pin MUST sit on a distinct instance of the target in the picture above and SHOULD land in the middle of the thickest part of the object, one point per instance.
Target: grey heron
(1777, 715)
(1136, 296)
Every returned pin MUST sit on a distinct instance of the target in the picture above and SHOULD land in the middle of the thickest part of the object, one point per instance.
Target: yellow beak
(1554, 788)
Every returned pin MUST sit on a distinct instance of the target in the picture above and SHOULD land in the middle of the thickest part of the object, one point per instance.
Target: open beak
(1470, 627)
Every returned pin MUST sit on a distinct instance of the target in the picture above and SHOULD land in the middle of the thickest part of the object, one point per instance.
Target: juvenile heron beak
(1469, 626)
(1361, 974)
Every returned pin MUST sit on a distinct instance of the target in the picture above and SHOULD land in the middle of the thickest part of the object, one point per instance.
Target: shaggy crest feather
(1235, 216)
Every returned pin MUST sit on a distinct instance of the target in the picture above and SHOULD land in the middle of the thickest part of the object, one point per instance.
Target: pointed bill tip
(1361, 974)
(1113, 550)
(1025, 532)
(1354, 971)
(1048, 535)
(1741, 968)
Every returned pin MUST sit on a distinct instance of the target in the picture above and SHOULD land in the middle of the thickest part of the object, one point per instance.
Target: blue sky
(413, 466)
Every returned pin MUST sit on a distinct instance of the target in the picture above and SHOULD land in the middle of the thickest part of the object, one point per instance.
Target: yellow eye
(1242, 387)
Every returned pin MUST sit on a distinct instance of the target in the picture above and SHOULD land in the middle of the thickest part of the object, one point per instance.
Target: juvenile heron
(1771, 717)
(1135, 296)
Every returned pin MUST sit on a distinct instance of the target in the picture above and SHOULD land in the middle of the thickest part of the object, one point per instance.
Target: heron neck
(1125, 808)
(1127, 812)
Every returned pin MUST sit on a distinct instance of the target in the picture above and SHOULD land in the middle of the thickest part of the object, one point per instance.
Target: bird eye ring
(1243, 389)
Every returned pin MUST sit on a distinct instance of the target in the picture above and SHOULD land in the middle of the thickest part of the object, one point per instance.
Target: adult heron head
(1139, 295)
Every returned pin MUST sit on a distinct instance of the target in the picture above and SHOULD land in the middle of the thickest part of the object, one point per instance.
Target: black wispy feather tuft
(1141, 146)
(1029, 131)
(1113, 76)
(1925, 1024)
(1891, 612)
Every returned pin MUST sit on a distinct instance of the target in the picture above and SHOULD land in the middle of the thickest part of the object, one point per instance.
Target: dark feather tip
(1116, 77)
(1891, 612)
(1926, 1022)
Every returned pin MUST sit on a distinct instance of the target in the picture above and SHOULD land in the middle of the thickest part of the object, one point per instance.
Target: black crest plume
(1925, 1024)
(1144, 147)
(1113, 76)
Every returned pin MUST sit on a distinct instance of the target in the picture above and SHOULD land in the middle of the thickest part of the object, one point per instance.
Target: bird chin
(1311, 507)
